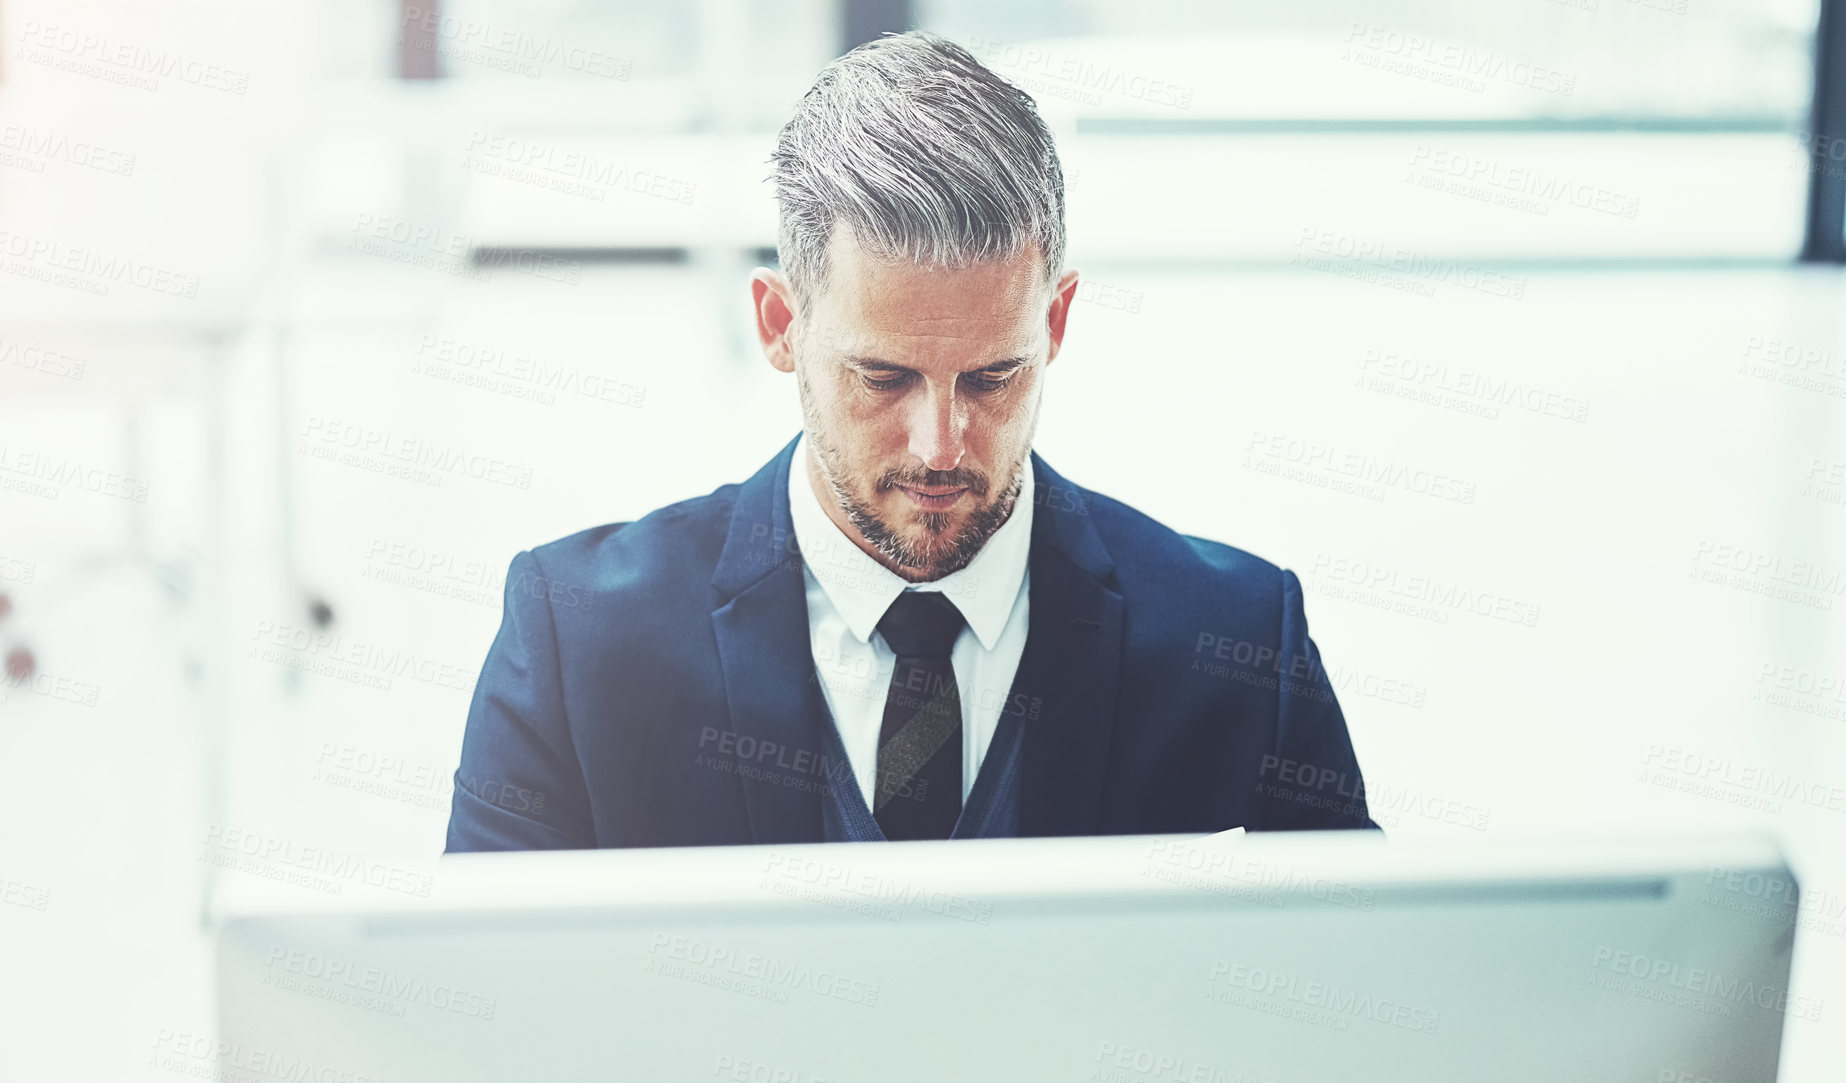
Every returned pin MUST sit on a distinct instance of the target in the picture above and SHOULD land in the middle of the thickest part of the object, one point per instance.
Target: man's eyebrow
(882, 365)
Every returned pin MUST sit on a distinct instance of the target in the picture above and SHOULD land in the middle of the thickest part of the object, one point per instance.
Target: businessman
(906, 625)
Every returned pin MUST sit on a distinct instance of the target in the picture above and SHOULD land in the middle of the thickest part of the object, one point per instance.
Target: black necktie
(918, 790)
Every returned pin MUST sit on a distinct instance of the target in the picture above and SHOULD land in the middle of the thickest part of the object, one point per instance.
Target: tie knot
(921, 624)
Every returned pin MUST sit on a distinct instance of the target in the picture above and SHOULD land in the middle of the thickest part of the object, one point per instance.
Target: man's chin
(928, 539)
(929, 543)
(922, 544)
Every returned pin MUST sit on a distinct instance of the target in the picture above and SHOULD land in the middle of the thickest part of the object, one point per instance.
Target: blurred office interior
(1580, 260)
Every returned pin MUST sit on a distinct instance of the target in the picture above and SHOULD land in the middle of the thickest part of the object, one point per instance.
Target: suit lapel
(777, 709)
(1065, 689)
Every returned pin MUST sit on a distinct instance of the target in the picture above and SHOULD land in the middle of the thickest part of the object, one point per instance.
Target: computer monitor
(1141, 959)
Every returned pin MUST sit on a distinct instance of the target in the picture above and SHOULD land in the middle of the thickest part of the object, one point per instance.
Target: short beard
(929, 561)
(920, 562)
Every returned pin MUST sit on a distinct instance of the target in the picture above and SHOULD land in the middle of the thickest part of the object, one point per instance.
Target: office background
(1518, 330)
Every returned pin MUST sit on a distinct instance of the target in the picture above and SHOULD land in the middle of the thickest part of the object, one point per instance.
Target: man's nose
(936, 427)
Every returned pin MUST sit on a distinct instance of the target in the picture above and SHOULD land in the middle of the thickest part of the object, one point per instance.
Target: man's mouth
(934, 497)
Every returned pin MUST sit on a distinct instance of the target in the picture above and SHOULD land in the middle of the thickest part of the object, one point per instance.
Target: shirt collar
(862, 589)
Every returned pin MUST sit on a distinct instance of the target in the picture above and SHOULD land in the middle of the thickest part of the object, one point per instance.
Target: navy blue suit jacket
(652, 685)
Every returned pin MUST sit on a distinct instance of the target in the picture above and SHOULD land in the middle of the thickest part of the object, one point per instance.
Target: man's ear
(774, 302)
(1061, 297)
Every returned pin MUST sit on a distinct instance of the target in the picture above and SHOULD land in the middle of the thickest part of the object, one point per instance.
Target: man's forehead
(864, 288)
(916, 335)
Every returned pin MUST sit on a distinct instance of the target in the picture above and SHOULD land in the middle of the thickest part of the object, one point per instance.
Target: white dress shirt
(848, 594)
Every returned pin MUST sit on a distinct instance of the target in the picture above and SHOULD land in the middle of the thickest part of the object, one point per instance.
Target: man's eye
(978, 381)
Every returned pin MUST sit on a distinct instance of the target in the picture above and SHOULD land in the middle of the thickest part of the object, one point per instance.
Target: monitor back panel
(1153, 961)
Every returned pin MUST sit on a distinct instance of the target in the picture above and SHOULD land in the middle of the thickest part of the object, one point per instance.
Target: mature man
(906, 625)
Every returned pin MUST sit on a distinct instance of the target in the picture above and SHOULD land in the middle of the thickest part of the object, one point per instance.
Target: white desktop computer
(1286, 957)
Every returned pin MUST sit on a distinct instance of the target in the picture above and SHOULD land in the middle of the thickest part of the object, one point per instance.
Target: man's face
(919, 395)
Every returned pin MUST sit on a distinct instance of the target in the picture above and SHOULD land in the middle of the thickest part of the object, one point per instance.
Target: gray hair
(925, 153)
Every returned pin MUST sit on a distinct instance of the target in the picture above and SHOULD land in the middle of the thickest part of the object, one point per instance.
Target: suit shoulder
(1142, 546)
(1178, 587)
(678, 537)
